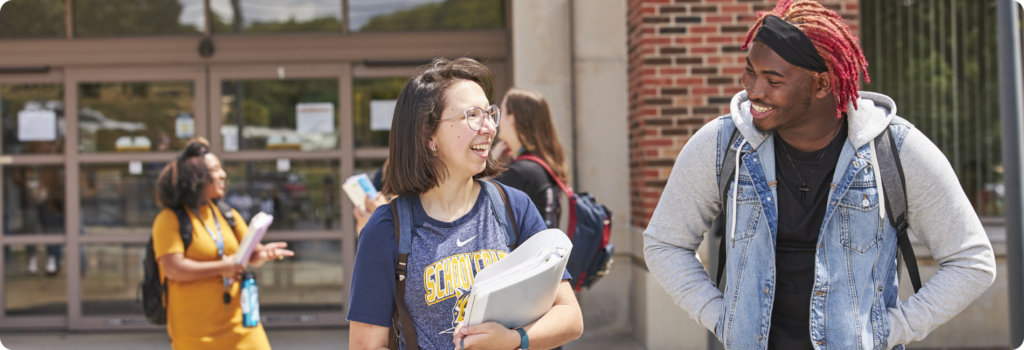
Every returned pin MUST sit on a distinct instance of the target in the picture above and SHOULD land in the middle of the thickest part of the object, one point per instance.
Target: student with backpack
(528, 136)
(815, 185)
(418, 254)
(538, 168)
(526, 130)
(199, 283)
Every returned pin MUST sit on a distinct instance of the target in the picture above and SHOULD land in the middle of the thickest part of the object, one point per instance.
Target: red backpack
(590, 230)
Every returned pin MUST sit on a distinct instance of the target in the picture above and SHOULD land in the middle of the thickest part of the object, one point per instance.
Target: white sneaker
(51, 264)
(33, 266)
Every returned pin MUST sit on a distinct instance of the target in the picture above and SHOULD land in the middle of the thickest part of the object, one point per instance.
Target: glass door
(126, 124)
(284, 134)
(32, 200)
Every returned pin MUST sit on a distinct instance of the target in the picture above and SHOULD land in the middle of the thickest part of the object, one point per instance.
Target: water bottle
(250, 300)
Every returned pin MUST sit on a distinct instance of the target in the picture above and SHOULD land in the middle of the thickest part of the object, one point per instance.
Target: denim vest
(855, 277)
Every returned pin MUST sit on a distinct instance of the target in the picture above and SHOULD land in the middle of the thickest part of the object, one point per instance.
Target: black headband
(791, 44)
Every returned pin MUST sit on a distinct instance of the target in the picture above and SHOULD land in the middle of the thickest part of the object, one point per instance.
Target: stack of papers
(257, 229)
(519, 289)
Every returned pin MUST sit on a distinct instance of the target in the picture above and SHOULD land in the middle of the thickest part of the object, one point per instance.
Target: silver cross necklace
(803, 187)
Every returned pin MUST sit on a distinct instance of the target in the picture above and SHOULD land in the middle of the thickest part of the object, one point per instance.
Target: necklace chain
(803, 188)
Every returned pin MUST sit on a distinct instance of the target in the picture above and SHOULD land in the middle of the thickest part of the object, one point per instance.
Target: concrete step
(306, 339)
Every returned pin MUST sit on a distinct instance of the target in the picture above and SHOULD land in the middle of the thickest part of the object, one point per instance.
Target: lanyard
(219, 237)
(219, 240)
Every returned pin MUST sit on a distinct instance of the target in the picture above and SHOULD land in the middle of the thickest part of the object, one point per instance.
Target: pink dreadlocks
(831, 37)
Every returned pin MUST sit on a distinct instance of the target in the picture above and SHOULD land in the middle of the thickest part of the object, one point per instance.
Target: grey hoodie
(941, 217)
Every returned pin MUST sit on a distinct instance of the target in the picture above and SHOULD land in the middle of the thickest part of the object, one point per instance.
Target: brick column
(684, 67)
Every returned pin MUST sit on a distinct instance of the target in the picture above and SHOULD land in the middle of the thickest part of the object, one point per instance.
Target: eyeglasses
(475, 116)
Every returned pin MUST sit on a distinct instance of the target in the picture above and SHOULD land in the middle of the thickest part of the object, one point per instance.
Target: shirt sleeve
(372, 297)
(166, 234)
(942, 218)
(685, 212)
(527, 218)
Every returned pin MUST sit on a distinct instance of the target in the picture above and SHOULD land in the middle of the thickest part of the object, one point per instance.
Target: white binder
(519, 289)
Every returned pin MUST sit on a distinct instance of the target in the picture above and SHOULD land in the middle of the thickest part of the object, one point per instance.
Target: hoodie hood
(872, 115)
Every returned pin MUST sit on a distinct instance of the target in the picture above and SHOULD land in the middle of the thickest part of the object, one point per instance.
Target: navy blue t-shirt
(445, 258)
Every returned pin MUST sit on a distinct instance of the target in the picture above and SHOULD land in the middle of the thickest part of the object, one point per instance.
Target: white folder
(519, 289)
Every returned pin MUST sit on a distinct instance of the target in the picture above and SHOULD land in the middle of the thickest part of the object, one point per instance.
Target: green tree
(447, 15)
(933, 58)
(97, 18)
(32, 19)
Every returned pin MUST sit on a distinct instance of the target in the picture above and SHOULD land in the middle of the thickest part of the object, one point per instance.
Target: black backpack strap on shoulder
(506, 219)
(401, 211)
(227, 211)
(895, 190)
(728, 170)
(184, 226)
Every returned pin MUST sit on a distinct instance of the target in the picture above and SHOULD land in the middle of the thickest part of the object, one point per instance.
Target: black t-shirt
(532, 179)
(800, 218)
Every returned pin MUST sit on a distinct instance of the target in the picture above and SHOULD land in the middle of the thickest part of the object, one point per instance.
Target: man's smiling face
(780, 93)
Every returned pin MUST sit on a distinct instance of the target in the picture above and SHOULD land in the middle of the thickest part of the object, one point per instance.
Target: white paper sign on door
(381, 113)
(135, 167)
(37, 125)
(230, 135)
(284, 164)
(314, 117)
(184, 126)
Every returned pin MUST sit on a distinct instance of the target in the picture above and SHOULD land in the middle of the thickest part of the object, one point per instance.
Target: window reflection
(33, 117)
(310, 281)
(373, 102)
(280, 114)
(302, 196)
(275, 16)
(34, 280)
(420, 15)
(111, 275)
(135, 117)
(99, 18)
(32, 19)
(115, 200)
(33, 199)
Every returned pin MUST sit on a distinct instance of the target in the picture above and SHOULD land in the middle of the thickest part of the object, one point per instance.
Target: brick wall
(684, 67)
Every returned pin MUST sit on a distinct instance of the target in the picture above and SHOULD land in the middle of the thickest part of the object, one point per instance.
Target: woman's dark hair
(183, 181)
(411, 167)
(535, 128)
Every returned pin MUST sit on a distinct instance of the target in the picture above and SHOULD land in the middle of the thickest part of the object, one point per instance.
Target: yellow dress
(196, 315)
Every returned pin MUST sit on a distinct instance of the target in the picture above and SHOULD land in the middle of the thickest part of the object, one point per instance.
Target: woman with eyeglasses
(440, 141)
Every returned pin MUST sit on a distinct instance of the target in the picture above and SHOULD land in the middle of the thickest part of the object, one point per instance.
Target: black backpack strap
(895, 190)
(506, 219)
(227, 211)
(728, 170)
(184, 226)
(401, 210)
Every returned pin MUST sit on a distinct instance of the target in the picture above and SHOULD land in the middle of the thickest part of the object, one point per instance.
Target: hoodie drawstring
(735, 188)
(878, 181)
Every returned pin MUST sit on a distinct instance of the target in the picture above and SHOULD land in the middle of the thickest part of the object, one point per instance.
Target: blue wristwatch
(525, 342)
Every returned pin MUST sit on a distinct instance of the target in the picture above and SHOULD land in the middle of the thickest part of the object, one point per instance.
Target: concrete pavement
(309, 339)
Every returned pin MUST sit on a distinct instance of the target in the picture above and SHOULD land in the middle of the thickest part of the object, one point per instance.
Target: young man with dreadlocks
(809, 231)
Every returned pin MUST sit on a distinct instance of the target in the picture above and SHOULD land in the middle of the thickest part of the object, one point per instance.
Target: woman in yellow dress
(203, 309)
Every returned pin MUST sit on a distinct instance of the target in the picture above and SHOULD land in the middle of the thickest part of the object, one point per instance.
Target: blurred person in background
(526, 129)
(203, 309)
